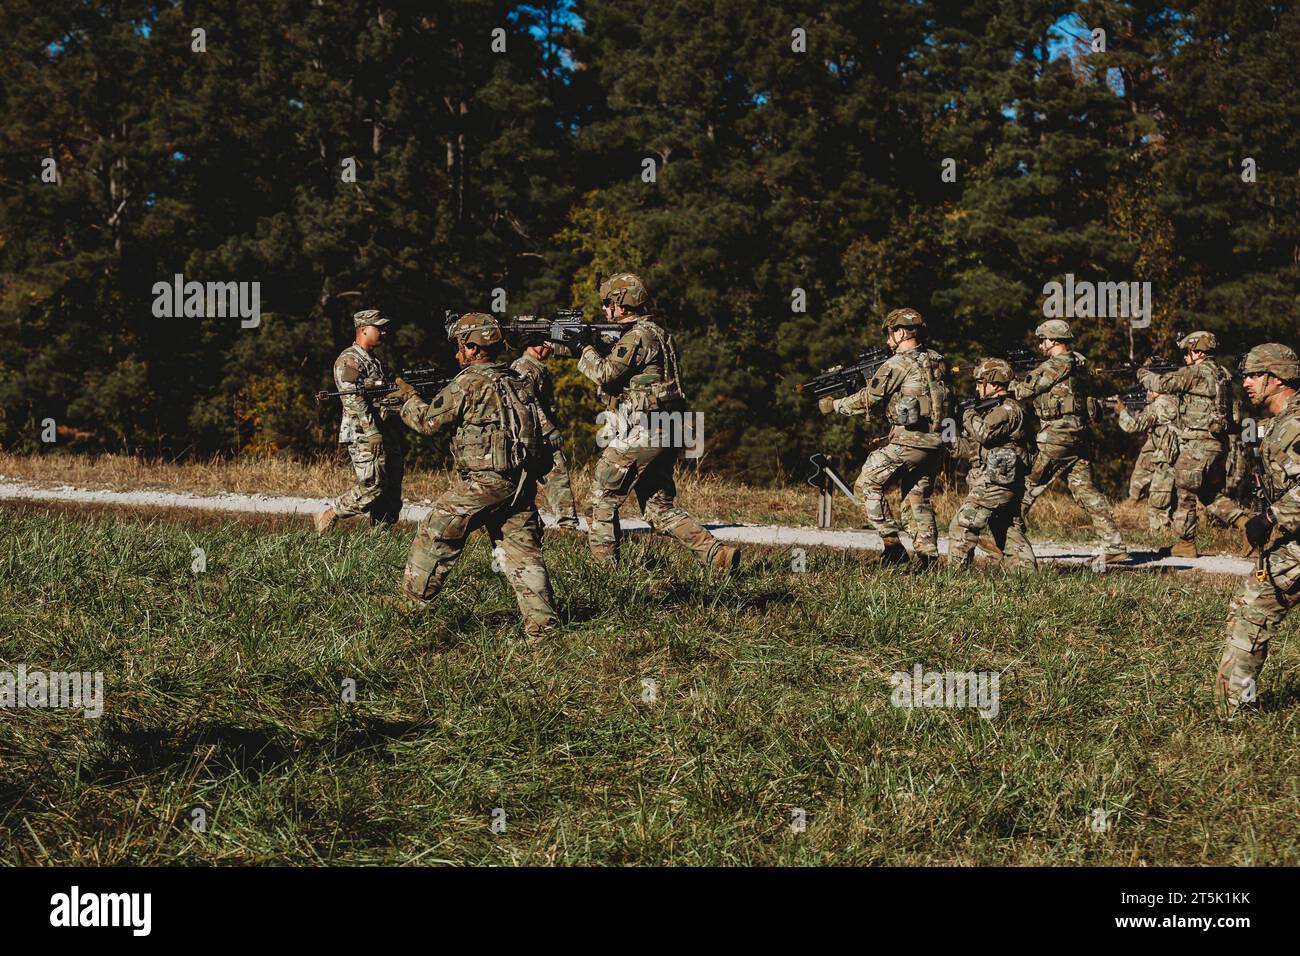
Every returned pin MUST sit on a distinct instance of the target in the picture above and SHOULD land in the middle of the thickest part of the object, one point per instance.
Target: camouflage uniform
(1204, 393)
(912, 386)
(499, 434)
(1157, 421)
(1259, 607)
(1139, 479)
(996, 442)
(559, 491)
(373, 438)
(640, 375)
(1059, 392)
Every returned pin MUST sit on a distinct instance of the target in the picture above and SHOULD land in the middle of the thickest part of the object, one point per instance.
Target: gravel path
(771, 535)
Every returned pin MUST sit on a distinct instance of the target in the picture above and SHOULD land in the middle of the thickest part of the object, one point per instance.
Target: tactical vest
(1206, 407)
(1005, 462)
(500, 430)
(656, 386)
(922, 401)
(1281, 463)
(1069, 396)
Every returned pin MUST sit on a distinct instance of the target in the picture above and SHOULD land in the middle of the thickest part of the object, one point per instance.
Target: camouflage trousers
(1053, 461)
(559, 492)
(913, 470)
(1199, 479)
(379, 470)
(485, 499)
(649, 472)
(1160, 499)
(1143, 469)
(995, 508)
(1254, 614)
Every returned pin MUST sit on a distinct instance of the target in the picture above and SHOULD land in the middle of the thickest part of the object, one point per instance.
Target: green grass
(223, 690)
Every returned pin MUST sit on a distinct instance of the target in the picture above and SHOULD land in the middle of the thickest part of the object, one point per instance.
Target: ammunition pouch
(1002, 465)
(909, 411)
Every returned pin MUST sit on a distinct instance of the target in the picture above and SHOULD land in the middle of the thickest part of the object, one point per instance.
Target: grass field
(223, 690)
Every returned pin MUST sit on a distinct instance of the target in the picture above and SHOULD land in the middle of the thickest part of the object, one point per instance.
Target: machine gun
(844, 380)
(1160, 366)
(425, 380)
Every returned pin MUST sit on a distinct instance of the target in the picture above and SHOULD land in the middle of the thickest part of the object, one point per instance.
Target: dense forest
(781, 175)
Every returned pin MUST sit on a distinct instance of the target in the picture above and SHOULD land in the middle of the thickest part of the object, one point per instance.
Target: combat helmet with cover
(903, 319)
(1199, 342)
(475, 328)
(1274, 358)
(994, 371)
(1055, 329)
(625, 289)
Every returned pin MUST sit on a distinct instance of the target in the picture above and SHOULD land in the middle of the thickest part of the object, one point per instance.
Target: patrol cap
(368, 317)
(903, 319)
(1199, 341)
(1056, 329)
(1274, 358)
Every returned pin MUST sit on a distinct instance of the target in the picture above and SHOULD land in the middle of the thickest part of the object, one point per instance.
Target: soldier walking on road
(370, 431)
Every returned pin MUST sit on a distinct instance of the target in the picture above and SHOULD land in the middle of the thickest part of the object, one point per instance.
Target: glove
(404, 390)
(826, 405)
(1258, 529)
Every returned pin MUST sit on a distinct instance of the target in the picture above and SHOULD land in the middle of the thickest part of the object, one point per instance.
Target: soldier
(1272, 374)
(531, 366)
(1204, 392)
(499, 433)
(370, 431)
(640, 376)
(1059, 388)
(912, 386)
(1157, 420)
(996, 442)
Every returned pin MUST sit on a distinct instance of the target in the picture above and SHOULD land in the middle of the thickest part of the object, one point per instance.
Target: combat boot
(924, 562)
(726, 559)
(1184, 549)
(894, 552)
(404, 604)
(1117, 556)
(325, 520)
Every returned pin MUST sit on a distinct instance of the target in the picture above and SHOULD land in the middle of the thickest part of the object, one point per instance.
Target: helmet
(1200, 341)
(1273, 357)
(994, 371)
(476, 328)
(625, 289)
(1057, 329)
(368, 317)
(904, 319)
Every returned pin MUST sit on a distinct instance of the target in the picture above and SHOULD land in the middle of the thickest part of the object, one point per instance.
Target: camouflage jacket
(1204, 398)
(1058, 388)
(1158, 419)
(912, 385)
(361, 418)
(496, 420)
(1279, 451)
(640, 371)
(1003, 425)
(535, 371)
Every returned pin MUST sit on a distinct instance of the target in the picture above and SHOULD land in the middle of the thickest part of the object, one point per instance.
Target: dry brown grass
(708, 496)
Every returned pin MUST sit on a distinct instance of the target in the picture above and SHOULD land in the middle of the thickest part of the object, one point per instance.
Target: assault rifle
(980, 404)
(1262, 503)
(1160, 366)
(565, 328)
(845, 380)
(1135, 399)
(1022, 362)
(425, 379)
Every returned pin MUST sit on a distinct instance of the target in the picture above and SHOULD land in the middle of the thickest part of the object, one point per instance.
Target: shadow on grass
(249, 751)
